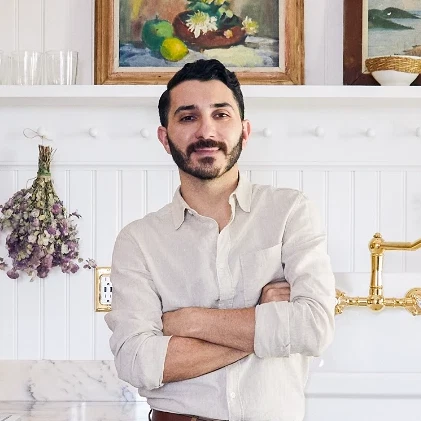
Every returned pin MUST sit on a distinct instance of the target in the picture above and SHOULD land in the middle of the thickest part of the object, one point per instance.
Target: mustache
(206, 143)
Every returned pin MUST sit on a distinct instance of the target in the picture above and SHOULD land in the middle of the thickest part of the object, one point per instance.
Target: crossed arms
(205, 340)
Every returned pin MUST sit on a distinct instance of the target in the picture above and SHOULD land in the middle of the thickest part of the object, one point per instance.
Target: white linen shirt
(176, 258)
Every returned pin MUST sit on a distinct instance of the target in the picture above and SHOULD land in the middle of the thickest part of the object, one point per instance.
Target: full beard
(205, 170)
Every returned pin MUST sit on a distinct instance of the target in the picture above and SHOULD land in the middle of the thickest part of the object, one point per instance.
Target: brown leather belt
(155, 415)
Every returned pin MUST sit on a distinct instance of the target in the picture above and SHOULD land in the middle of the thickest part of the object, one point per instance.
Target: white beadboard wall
(54, 318)
(361, 185)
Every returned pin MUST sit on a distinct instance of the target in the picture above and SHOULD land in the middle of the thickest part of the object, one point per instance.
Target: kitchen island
(73, 411)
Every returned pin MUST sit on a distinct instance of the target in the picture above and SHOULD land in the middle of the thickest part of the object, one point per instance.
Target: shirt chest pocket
(258, 268)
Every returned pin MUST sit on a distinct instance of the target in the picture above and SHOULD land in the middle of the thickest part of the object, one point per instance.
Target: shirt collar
(242, 194)
(179, 207)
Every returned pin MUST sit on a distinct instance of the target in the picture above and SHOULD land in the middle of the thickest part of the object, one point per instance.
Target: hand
(275, 291)
(177, 322)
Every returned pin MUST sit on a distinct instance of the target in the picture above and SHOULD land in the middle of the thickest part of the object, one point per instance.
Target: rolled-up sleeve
(305, 325)
(137, 341)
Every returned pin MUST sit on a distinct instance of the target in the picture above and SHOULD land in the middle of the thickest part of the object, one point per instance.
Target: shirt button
(232, 394)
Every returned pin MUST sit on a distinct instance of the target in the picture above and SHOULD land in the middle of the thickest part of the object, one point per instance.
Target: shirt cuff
(154, 360)
(272, 338)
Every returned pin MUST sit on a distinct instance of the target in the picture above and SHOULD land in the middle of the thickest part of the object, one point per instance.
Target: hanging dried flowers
(42, 234)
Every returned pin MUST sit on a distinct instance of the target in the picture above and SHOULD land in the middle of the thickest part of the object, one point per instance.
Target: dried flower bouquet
(42, 234)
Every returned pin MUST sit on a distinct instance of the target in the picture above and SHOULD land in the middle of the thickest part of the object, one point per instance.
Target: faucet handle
(413, 298)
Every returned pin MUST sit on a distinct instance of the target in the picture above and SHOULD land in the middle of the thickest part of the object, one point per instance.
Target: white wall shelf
(127, 95)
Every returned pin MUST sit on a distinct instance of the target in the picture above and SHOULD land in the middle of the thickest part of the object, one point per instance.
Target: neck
(210, 197)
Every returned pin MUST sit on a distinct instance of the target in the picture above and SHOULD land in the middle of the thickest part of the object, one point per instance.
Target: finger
(269, 291)
(276, 294)
(280, 295)
(275, 299)
(275, 290)
(278, 285)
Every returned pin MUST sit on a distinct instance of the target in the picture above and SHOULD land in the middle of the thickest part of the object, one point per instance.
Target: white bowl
(393, 75)
(394, 78)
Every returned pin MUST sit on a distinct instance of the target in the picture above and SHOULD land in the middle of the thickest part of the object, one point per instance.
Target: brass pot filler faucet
(376, 299)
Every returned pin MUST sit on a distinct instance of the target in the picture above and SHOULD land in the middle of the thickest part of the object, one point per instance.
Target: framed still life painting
(147, 41)
(375, 28)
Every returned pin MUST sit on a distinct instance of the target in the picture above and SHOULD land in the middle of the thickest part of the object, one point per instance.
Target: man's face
(205, 134)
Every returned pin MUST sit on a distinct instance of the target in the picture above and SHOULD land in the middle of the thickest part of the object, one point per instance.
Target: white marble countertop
(73, 411)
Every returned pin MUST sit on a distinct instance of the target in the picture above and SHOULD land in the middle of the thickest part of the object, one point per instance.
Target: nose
(206, 128)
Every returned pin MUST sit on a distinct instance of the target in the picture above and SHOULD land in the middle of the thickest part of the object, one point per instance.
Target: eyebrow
(194, 107)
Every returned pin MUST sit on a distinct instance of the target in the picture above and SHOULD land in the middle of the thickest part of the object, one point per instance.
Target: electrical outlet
(106, 290)
(103, 289)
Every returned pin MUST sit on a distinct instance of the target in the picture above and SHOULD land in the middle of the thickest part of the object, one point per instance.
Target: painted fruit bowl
(220, 38)
(394, 70)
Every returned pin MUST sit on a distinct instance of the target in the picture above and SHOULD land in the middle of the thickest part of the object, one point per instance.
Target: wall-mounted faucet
(376, 299)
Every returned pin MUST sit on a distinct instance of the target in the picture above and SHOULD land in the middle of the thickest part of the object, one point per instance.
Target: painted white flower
(250, 26)
(201, 22)
(64, 249)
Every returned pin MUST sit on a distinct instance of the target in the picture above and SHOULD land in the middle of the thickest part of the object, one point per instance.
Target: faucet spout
(376, 299)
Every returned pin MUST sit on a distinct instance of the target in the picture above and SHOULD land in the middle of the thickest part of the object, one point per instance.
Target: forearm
(233, 328)
(188, 358)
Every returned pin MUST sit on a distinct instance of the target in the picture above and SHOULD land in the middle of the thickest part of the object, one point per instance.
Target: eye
(221, 114)
(187, 118)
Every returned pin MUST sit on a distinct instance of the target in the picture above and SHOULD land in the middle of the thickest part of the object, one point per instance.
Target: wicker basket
(398, 63)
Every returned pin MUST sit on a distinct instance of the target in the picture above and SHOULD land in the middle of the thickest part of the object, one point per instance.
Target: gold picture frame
(289, 69)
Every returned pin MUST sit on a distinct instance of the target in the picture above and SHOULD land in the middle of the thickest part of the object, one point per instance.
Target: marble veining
(75, 411)
(48, 380)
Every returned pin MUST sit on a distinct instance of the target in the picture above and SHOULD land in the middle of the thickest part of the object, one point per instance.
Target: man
(222, 296)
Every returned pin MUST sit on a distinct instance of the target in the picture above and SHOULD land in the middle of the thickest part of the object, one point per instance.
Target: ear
(163, 138)
(246, 132)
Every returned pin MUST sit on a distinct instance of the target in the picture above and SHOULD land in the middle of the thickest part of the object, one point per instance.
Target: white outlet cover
(106, 290)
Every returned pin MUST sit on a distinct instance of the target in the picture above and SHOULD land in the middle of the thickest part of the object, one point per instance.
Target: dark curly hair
(203, 70)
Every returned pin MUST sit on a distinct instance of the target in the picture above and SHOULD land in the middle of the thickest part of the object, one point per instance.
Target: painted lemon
(173, 49)
(155, 31)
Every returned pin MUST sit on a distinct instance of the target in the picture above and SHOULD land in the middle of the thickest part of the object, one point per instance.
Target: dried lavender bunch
(42, 234)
